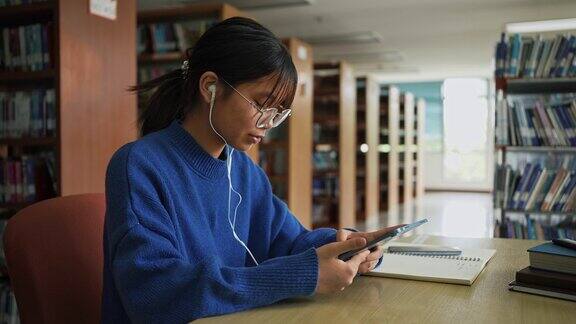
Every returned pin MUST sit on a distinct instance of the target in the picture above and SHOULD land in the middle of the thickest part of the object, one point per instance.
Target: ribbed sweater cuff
(282, 277)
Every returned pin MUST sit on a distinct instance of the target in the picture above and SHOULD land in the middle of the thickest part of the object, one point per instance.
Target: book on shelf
(535, 227)
(325, 160)
(171, 37)
(536, 56)
(147, 73)
(324, 213)
(27, 113)
(276, 134)
(27, 178)
(530, 122)
(7, 3)
(536, 188)
(8, 307)
(325, 187)
(3, 268)
(26, 48)
(273, 162)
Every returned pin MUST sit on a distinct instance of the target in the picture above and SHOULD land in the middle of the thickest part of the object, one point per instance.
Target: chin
(242, 146)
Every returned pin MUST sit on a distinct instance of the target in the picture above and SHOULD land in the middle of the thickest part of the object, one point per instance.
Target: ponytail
(165, 103)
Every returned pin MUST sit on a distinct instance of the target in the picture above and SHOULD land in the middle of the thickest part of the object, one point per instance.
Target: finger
(375, 234)
(367, 266)
(358, 234)
(338, 248)
(373, 256)
(376, 254)
(364, 268)
(357, 260)
(342, 235)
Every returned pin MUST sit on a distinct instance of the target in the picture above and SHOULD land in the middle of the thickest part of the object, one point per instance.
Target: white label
(103, 8)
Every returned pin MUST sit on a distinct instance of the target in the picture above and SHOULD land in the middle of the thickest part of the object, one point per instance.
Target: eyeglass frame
(287, 112)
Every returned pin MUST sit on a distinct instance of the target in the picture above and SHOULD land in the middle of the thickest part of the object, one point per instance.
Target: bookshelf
(334, 146)
(367, 156)
(77, 129)
(180, 27)
(388, 148)
(535, 179)
(419, 126)
(406, 156)
(286, 152)
(70, 110)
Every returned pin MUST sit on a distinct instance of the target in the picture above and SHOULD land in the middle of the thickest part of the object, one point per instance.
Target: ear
(206, 83)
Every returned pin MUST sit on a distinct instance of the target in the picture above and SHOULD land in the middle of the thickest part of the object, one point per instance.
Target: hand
(372, 258)
(334, 274)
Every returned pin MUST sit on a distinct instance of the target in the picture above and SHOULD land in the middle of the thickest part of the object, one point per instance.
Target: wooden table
(385, 300)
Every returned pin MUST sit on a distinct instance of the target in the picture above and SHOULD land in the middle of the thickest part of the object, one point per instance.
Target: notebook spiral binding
(452, 257)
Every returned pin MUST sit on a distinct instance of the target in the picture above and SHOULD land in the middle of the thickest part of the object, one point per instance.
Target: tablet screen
(382, 239)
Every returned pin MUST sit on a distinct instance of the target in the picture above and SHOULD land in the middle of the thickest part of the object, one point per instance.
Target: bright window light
(541, 26)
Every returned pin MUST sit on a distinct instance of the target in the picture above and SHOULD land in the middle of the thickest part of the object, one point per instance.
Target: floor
(454, 214)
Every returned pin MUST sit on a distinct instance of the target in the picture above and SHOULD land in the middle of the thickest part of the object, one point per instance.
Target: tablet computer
(382, 239)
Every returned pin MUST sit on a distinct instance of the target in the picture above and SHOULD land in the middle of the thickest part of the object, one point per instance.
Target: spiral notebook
(462, 269)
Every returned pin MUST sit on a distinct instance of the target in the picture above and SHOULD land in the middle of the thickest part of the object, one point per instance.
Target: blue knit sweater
(169, 252)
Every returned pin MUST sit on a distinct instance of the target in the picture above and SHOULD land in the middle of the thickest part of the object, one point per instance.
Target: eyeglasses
(269, 117)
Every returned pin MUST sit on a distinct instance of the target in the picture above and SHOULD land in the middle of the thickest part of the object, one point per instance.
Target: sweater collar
(194, 154)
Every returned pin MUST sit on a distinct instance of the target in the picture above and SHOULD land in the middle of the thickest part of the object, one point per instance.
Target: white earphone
(230, 151)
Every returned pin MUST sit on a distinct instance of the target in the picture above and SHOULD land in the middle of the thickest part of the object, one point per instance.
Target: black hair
(238, 50)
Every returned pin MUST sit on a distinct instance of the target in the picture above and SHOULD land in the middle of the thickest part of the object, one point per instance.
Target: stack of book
(536, 188)
(170, 37)
(27, 113)
(536, 57)
(25, 48)
(552, 272)
(536, 123)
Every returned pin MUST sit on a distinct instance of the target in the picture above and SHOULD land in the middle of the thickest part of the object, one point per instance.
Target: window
(467, 148)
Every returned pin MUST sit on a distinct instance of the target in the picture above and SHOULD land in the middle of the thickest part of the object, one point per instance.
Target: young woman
(192, 227)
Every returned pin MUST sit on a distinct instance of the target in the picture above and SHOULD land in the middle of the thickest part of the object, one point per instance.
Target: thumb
(337, 248)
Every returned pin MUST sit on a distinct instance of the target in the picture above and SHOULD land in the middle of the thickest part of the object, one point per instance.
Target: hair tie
(184, 67)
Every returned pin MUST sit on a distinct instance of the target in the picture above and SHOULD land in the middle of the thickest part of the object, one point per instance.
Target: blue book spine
(516, 43)
(521, 185)
(564, 109)
(562, 63)
(501, 50)
(535, 174)
(564, 122)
